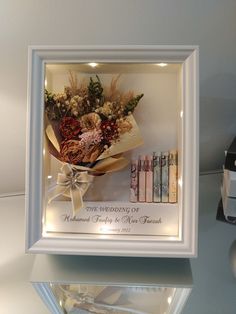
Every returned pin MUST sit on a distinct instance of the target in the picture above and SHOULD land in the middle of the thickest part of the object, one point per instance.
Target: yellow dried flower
(106, 109)
(124, 125)
(90, 121)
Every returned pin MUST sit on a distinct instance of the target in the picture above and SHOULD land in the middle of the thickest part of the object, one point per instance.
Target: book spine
(134, 181)
(149, 179)
(156, 177)
(173, 173)
(141, 179)
(165, 177)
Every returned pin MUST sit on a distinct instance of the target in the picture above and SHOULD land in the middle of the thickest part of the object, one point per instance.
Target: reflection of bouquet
(97, 300)
(88, 127)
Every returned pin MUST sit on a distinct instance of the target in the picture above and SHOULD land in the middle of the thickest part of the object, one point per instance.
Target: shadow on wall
(217, 121)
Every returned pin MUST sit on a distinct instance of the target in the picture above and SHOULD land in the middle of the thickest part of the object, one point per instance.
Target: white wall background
(211, 24)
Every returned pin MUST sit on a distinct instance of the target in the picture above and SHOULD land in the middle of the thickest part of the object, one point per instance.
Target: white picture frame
(185, 244)
(142, 274)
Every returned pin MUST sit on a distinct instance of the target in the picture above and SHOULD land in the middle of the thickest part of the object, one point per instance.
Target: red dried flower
(75, 152)
(69, 127)
(72, 151)
(109, 130)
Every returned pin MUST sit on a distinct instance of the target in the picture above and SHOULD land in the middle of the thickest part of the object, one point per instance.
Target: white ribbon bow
(73, 183)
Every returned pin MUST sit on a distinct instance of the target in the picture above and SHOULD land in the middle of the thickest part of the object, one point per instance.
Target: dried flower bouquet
(88, 127)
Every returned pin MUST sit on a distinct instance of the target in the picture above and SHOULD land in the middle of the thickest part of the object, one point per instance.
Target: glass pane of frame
(112, 149)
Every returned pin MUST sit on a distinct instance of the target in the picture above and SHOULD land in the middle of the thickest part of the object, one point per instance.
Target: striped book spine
(165, 177)
(157, 177)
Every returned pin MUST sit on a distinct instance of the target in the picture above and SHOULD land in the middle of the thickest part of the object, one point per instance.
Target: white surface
(214, 285)
(16, 293)
(210, 24)
(229, 203)
(188, 148)
(229, 180)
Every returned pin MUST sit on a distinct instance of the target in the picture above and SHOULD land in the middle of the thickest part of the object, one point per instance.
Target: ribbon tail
(55, 192)
(77, 200)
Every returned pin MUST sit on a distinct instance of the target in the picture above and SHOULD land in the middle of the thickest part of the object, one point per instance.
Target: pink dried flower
(90, 138)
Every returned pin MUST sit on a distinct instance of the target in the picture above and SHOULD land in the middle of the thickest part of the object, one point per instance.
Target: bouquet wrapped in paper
(88, 128)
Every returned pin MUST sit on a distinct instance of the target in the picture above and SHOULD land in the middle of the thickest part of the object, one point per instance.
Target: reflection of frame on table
(143, 276)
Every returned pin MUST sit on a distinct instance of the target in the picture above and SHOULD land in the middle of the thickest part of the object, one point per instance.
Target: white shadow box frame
(184, 242)
(153, 286)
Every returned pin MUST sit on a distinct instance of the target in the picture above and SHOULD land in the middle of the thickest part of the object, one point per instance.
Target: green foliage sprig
(130, 106)
(95, 89)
